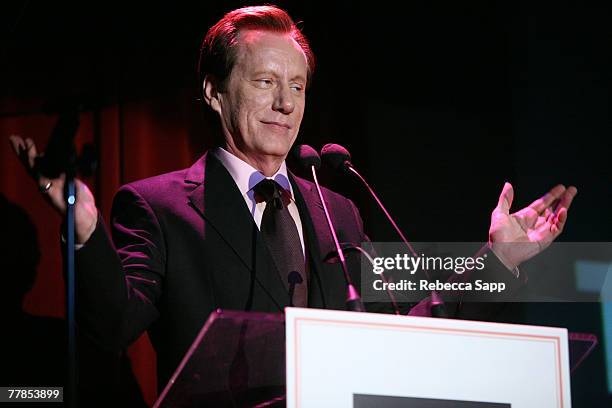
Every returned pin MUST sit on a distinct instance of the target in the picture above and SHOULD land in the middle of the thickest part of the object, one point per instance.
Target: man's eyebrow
(263, 72)
(298, 78)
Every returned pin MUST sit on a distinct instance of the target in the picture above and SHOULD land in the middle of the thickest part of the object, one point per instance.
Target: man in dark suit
(232, 230)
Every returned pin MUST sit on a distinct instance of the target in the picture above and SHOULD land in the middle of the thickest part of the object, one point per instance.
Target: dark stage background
(439, 103)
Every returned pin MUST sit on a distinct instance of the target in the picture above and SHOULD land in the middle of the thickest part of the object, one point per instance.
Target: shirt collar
(246, 176)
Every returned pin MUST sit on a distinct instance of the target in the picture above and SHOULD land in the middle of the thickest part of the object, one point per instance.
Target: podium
(237, 360)
(346, 359)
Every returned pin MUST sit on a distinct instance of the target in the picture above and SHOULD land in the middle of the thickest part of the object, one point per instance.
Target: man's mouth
(279, 124)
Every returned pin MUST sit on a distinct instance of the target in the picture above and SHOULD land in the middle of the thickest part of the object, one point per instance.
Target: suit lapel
(217, 198)
(325, 287)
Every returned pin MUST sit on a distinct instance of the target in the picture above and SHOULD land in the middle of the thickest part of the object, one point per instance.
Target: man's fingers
(44, 185)
(17, 144)
(505, 199)
(559, 221)
(26, 151)
(31, 152)
(566, 199)
(560, 215)
(545, 201)
(20, 147)
(548, 214)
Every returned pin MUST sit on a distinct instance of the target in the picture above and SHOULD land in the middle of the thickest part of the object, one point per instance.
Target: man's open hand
(519, 236)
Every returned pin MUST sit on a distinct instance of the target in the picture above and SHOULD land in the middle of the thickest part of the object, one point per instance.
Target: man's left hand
(516, 237)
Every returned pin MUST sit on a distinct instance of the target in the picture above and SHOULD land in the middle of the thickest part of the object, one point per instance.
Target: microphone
(337, 157)
(60, 153)
(307, 156)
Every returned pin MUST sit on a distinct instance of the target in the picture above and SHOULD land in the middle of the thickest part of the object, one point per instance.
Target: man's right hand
(86, 213)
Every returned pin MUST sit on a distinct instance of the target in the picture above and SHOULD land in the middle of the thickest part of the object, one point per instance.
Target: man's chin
(280, 150)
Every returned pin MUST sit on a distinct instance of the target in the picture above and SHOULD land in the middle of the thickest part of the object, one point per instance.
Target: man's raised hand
(521, 235)
(86, 213)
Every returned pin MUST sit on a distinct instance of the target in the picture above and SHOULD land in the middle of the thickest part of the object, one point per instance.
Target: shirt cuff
(514, 270)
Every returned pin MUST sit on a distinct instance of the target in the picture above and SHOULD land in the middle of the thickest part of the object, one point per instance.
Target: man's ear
(210, 91)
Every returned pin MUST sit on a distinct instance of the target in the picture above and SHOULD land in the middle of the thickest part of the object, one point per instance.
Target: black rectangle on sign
(383, 401)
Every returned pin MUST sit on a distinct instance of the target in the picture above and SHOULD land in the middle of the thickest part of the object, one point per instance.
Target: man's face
(262, 105)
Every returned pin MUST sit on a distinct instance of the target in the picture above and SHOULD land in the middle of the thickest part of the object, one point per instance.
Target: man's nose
(283, 101)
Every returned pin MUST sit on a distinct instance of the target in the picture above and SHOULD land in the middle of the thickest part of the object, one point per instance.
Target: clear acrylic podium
(238, 360)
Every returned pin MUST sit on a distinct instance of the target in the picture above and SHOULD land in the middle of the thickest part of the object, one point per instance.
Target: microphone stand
(353, 300)
(61, 158)
(70, 233)
(350, 246)
(437, 309)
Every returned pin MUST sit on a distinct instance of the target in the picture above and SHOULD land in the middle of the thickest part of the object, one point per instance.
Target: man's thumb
(505, 198)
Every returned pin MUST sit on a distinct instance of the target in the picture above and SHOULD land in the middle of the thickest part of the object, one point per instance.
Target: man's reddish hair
(218, 50)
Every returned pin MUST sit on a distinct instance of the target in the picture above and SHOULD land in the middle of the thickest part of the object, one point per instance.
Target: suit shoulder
(156, 188)
(330, 195)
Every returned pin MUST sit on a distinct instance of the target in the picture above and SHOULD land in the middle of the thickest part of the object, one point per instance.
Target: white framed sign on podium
(345, 359)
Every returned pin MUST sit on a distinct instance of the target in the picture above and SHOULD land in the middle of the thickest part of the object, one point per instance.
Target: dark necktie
(281, 235)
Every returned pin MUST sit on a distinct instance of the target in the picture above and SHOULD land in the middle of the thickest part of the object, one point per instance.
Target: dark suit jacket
(184, 244)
